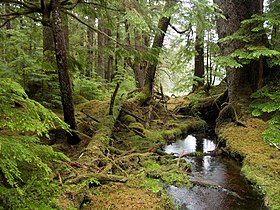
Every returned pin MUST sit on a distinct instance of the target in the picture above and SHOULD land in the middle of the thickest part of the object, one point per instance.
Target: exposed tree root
(230, 113)
(208, 107)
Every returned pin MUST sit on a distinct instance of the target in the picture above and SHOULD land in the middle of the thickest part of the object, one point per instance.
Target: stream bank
(260, 161)
(130, 158)
(242, 139)
(216, 179)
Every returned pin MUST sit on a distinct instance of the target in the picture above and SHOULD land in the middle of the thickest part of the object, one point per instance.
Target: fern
(227, 61)
(24, 162)
(267, 101)
(89, 88)
(251, 34)
(20, 113)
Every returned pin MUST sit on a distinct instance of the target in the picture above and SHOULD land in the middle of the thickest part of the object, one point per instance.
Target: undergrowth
(25, 164)
(267, 102)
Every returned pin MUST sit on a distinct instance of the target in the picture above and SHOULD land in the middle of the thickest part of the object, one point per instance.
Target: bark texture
(101, 50)
(199, 60)
(90, 60)
(241, 81)
(63, 72)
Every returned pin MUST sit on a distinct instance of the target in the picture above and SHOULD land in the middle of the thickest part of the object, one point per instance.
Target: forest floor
(119, 163)
(125, 170)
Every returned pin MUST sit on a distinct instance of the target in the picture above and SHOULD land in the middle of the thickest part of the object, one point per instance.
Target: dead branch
(275, 145)
(133, 115)
(180, 157)
(90, 116)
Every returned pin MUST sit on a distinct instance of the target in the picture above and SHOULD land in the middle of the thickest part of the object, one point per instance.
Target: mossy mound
(78, 99)
(261, 162)
(94, 108)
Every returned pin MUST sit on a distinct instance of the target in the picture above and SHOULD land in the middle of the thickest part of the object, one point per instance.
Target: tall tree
(240, 83)
(90, 52)
(101, 49)
(199, 59)
(63, 72)
(199, 45)
(163, 23)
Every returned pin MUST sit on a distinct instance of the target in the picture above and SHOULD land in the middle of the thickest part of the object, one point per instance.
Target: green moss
(170, 173)
(140, 98)
(78, 99)
(154, 137)
(195, 154)
(152, 184)
(127, 119)
(260, 160)
(172, 134)
(137, 126)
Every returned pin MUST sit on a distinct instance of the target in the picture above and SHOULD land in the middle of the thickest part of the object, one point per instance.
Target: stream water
(222, 184)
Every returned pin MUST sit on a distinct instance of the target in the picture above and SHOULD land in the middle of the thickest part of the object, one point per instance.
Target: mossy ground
(261, 162)
(119, 163)
(132, 149)
(121, 196)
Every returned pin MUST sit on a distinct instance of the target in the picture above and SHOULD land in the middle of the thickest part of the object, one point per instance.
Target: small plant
(24, 163)
(89, 88)
(267, 101)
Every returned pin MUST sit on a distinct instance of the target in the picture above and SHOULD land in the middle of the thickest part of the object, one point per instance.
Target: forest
(93, 91)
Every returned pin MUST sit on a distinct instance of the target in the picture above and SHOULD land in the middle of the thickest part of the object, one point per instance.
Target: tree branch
(92, 28)
(180, 32)
(103, 6)
(14, 16)
(27, 4)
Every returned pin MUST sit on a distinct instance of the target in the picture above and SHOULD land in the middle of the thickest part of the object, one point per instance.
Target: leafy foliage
(23, 160)
(253, 33)
(89, 88)
(267, 101)
(227, 61)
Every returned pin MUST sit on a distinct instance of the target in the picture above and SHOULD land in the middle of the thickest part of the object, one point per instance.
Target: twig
(59, 179)
(180, 157)
(90, 116)
(274, 144)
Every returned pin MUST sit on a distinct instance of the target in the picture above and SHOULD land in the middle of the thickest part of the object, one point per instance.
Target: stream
(222, 184)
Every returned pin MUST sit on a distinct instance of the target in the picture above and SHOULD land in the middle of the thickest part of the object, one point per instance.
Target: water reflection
(228, 189)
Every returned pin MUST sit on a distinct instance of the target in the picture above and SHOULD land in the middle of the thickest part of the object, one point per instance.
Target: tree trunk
(156, 47)
(239, 79)
(199, 60)
(101, 51)
(139, 66)
(90, 45)
(108, 57)
(63, 72)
